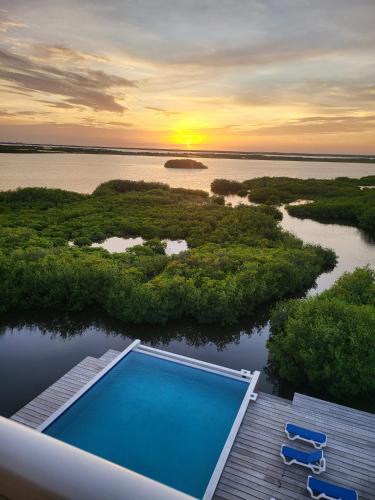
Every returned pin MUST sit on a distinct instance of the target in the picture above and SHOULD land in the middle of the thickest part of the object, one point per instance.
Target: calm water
(178, 405)
(36, 348)
(117, 245)
(83, 173)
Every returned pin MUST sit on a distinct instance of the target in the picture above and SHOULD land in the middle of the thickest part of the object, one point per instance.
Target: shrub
(225, 187)
(217, 200)
(328, 341)
(82, 241)
(124, 186)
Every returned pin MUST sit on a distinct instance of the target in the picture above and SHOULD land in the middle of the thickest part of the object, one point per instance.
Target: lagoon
(83, 173)
(38, 347)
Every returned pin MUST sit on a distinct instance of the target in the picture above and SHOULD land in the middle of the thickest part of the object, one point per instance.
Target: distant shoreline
(232, 155)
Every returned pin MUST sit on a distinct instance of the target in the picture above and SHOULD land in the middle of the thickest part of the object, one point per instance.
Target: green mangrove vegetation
(238, 258)
(327, 342)
(342, 200)
(184, 163)
(225, 187)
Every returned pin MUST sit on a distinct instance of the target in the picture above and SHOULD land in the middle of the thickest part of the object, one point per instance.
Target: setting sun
(187, 138)
(187, 133)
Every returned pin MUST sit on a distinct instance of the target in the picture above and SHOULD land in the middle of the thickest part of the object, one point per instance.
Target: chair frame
(321, 495)
(295, 437)
(317, 469)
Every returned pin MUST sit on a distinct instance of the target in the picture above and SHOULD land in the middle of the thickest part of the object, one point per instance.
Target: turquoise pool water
(159, 418)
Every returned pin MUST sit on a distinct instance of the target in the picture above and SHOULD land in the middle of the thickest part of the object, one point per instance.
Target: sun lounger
(317, 439)
(319, 489)
(314, 461)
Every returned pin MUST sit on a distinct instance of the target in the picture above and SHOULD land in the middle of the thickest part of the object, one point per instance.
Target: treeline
(344, 200)
(40, 197)
(239, 258)
(125, 186)
(327, 342)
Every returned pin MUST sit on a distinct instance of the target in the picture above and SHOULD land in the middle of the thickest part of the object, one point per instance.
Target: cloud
(323, 94)
(90, 88)
(163, 111)
(275, 50)
(256, 55)
(100, 123)
(58, 104)
(58, 53)
(118, 124)
(6, 23)
(233, 33)
(70, 133)
(319, 125)
(15, 114)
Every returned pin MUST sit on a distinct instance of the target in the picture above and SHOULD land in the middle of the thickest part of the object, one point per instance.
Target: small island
(184, 163)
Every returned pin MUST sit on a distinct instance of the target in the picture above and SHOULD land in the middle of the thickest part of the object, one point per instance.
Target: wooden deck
(254, 469)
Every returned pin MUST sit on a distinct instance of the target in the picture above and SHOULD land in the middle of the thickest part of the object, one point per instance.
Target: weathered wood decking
(254, 469)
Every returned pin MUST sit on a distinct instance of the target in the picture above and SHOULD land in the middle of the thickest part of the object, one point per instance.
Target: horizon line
(185, 150)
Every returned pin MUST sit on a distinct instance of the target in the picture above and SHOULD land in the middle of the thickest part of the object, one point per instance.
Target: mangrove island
(184, 163)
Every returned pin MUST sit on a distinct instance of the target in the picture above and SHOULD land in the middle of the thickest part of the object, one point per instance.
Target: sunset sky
(254, 75)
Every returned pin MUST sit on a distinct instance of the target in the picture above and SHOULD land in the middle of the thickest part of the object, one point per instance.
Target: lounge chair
(319, 489)
(314, 461)
(317, 439)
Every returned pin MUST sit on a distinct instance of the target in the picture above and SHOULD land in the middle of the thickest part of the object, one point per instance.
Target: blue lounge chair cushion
(322, 489)
(301, 456)
(306, 434)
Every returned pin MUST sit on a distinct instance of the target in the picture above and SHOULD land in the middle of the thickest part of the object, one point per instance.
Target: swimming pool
(163, 416)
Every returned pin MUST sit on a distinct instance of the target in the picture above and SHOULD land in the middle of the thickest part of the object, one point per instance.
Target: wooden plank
(342, 414)
(299, 398)
(43, 412)
(51, 397)
(348, 423)
(59, 390)
(25, 421)
(110, 355)
(232, 494)
(295, 488)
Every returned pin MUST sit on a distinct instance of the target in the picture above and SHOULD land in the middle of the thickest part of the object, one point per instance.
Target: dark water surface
(38, 347)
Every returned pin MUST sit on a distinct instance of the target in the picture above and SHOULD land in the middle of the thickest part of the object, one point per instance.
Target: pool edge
(250, 395)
